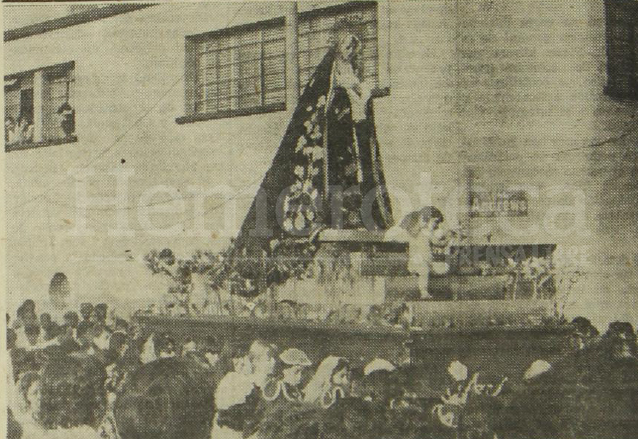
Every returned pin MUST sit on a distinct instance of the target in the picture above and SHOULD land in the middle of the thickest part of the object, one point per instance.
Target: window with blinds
(622, 48)
(240, 69)
(314, 35)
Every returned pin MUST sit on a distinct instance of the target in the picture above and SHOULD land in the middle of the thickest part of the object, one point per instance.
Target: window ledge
(271, 108)
(199, 117)
(22, 146)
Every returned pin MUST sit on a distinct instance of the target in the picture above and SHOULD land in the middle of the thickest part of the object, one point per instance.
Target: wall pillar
(292, 58)
(38, 106)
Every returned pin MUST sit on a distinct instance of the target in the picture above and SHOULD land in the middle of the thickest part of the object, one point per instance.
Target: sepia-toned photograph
(320, 219)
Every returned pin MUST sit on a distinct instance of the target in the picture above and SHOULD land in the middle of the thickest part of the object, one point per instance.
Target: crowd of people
(20, 132)
(95, 375)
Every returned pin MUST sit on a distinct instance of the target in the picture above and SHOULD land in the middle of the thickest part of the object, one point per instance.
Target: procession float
(318, 259)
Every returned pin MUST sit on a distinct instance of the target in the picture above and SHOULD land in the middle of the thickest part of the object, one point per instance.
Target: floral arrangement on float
(240, 276)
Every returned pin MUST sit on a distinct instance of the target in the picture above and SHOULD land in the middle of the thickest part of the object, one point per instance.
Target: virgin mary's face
(350, 47)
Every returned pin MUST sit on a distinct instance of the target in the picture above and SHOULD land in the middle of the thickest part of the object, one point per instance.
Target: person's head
(146, 406)
(24, 120)
(86, 309)
(293, 362)
(65, 109)
(211, 344)
(348, 40)
(118, 343)
(45, 319)
(165, 345)
(121, 325)
(381, 386)
(341, 373)
(32, 333)
(431, 218)
(100, 312)
(333, 372)
(621, 340)
(71, 319)
(27, 308)
(167, 256)
(262, 358)
(72, 392)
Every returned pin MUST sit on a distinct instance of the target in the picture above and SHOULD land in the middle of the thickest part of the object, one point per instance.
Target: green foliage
(240, 273)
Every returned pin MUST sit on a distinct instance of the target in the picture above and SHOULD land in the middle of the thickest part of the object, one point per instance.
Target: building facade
(516, 118)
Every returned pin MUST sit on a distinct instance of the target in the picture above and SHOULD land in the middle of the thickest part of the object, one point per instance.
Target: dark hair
(167, 254)
(341, 364)
(620, 330)
(31, 329)
(26, 309)
(72, 391)
(117, 341)
(29, 304)
(121, 324)
(165, 399)
(164, 341)
(584, 326)
(73, 316)
(101, 310)
(411, 221)
(86, 309)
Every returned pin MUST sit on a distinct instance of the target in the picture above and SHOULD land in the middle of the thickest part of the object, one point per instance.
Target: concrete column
(292, 58)
(38, 106)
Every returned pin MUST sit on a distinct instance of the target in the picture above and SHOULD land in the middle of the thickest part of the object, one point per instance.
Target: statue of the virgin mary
(327, 172)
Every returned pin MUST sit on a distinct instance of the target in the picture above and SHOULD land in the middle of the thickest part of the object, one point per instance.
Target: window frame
(191, 67)
(39, 106)
(382, 8)
(620, 13)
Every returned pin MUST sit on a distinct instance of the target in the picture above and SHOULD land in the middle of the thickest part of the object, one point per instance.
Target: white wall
(499, 87)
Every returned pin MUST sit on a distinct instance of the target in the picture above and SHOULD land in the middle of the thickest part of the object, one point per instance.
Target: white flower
(310, 126)
(301, 143)
(288, 226)
(458, 370)
(299, 171)
(316, 134)
(310, 214)
(309, 108)
(317, 153)
(321, 101)
(300, 222)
